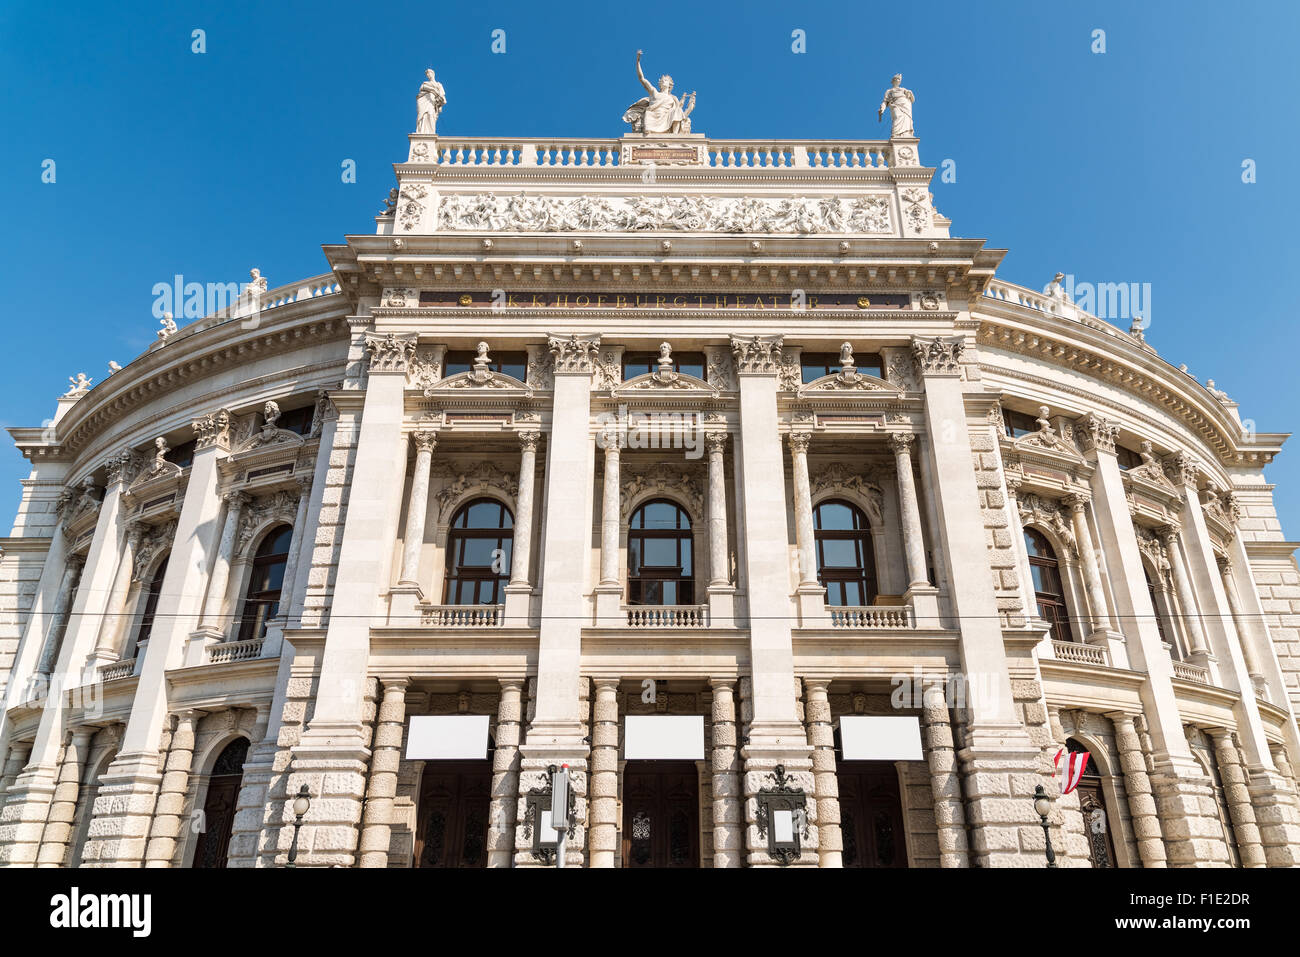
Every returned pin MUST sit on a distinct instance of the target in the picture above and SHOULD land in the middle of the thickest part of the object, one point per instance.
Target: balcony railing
(668, 616)
(463, 616)
(871, 616)
(1190, 672)
(226, 651)
(117, 669)
(1083, 654)
(729, 154)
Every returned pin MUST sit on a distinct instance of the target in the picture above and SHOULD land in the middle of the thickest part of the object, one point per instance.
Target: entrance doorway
(220, 804)
(871, 814)
(452, 824)
(661, 814)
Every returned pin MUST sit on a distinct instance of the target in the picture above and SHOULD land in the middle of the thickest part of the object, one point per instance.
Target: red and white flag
(1075, 762)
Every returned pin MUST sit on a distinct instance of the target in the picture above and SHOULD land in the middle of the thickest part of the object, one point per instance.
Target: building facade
(592, 432)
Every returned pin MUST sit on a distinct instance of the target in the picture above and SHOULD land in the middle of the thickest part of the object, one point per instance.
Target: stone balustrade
(1080, 653)
(1190, 672)
(227, 651)
(668, 616)
(463, 616)
(871, 616)
(117, 669)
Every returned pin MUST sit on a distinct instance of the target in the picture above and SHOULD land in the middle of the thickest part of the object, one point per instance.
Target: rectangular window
(1019, 423)
(513, 364)
(815, 365)
(643, 363)
(1128, 459)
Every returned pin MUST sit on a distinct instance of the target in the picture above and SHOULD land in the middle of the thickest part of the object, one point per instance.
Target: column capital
(729, 683)
(1181, 469)
(901, 442)
(1077, 500)
(1119, 718)
(757, 355)
(799, 442)
(212, 430)
(511, 684)
(938, 357)
(399, 683)
(528, 439)
(124, 466)
(426, 440)
(304, 485)
(236, 500)
(391, 352)
(816, 686)
(606, 683)
(716, 441)
(575, 355)
(1168, 533)
(1096, 433)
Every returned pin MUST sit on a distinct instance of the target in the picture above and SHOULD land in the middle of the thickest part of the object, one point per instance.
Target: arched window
(846, 564)
(262, 598)
(1048, 592)
(149, 608)
(1158, 604)
(660, 570)
(478, 554)
(220, 804)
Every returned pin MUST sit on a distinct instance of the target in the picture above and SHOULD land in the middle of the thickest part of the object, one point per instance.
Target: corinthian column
(1239, 623)
(609, 514)
(522, 549)
(909, 510)
(803, 518)
(59, 619)
(416, 507)
(718, 575)
(604, 774)
(376, 822)
(1141, 803)
(1199, 654)
(214, 608)
(822, 738)
(1088, 558)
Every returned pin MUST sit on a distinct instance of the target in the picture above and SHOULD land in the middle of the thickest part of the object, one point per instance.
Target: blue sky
(1123, 166)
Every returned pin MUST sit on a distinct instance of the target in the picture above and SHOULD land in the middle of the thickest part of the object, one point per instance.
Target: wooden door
(661, 814)
(871, 815)
(220, 804)
(451, 830)
(1096, 822)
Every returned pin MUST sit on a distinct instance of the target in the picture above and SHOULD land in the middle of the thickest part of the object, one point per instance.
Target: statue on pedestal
(428, 104)
(898, 100)
(661, 111)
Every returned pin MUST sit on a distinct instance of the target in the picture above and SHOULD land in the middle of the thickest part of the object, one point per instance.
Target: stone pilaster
(63, 804)
(166, 827)
(519, 591)
(417, 505)
(1137, 784)
(505, 774)
(728, 831)
(604, 775)
(945, 779)
(822, 737)
(376, 822)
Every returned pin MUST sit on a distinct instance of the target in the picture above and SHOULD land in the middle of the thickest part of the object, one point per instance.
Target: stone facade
(891, 486)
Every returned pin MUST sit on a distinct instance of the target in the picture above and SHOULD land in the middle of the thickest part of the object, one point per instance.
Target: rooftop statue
(898, 100)
(428, 104)
(661, 111)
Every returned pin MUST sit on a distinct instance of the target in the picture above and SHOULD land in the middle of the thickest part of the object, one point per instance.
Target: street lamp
(301, 805)
(1043, 806)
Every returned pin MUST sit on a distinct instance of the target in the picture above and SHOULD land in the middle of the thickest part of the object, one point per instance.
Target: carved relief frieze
(662, 478)
(1049, 513)
(839, 478)
(459, 477)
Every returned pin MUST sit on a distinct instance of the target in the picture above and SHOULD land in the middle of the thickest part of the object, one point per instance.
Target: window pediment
(666, 381)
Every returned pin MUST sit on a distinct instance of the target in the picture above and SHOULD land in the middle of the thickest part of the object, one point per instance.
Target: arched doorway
(1096, 815)
(871, 812)
(220, 804)
(452, 823)
(661, 814)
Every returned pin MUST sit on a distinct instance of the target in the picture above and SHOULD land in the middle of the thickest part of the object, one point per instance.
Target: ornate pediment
(1047, 443)
(1151, 472)
(487, 382)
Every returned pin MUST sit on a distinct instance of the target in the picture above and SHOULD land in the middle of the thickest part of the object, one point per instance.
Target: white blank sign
(663, 737)
(870, 738)
(452, 737)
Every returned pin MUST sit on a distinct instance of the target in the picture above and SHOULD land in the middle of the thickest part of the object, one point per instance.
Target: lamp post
(1043, 806)
(301, 805)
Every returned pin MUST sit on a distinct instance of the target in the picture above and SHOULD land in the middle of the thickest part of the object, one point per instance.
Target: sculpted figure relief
(898, 100)
(428, 104)
(661, 111)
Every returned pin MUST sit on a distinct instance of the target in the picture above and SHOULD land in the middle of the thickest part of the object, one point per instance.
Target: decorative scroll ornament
(783, 795)
(324, 410)
(391, 352)
(995, 419)
(483, 475)
(1094, 432)
(575, 355)
(938, 356)
(151, 540)
(918, 209)
(270, 433)
(1036, 510)
(212, 430)
(124, 467)
(1046, 438)
(1221, 505)
(409, 208)
(424, 370)
(720, 372)
(1151, 546)
(541, 370)
(1150, 470)
(74, 503)
(606, 374)
(718, 214)
(399, 298)
(662, 479)
(901, 373)
(757, 355)
(280, 506)
(838, 478)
